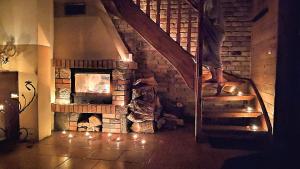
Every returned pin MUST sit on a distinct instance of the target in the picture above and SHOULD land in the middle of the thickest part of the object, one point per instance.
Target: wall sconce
(8, 51)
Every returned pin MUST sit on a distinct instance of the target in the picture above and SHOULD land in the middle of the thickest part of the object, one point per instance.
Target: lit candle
(64, 132)
(70, 135)
(87, 133)
(118, 139)
(1, 107)
(109, 134)
(135, 136)
(14, 96)
(240, 93)
(249, 109)
(143, 141)
(90, 137)
(254, 127)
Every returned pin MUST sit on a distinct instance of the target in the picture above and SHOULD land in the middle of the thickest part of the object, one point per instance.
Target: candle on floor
(64, 132)
(143, 141)
(70, 135)
(87, 133)
(135, 136)
(109, 134)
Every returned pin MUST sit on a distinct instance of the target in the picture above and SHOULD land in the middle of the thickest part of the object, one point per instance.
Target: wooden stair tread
(229, 98)
(231, 114)
(225, 128)
(230, 83)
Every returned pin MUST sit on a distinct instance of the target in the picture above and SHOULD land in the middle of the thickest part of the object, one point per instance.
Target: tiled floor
(163, 150)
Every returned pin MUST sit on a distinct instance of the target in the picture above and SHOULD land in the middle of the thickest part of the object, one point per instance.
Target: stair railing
(259, 98)
(181, 20)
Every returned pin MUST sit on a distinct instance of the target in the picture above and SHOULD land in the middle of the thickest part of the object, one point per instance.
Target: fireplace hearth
(99, 88)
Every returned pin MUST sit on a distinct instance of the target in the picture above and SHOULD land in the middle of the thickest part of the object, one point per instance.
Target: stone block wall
(235, 50)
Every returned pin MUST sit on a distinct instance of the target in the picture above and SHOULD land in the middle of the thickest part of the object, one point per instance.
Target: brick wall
(235, 51)
(237, 44)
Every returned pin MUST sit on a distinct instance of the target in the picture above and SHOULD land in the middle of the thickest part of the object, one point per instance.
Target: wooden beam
(176, 55)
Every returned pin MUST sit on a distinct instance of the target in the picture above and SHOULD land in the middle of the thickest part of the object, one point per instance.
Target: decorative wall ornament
(9, 50)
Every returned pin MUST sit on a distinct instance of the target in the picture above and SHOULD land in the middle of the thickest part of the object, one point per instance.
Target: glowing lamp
(118, 139)
(143, 141)
(135, 136)
(109, 134)
(240, 93)
(90, 137)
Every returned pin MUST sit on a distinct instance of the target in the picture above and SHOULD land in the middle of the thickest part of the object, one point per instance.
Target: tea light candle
(87, 133)
(14, 96)
(70, 135)
(1, 107)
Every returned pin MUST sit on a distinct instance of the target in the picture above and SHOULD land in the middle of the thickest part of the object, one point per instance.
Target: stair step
(231, 114)
(229, 98)
(232, 129)
(226, 84)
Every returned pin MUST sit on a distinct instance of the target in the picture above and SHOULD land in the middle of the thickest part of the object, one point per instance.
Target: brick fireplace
(107, 101)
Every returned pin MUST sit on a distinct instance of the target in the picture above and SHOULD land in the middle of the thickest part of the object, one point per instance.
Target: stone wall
(235, 50)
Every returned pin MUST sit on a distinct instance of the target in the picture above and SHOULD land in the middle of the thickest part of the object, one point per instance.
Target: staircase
(232, 115)
(156, 21)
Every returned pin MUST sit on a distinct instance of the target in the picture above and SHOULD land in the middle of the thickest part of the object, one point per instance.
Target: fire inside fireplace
(91, 86)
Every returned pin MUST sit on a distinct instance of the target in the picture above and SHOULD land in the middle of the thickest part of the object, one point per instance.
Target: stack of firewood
(143, 105)
(146, 111)
(93, 123)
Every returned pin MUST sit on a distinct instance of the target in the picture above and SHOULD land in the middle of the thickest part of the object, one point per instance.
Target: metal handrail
(259, 98)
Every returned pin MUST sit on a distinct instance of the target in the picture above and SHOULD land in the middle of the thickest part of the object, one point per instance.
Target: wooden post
(168, 16)
(148, 8)
(198, 78)
(158, 3)
(189, 33)
(178, 35)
